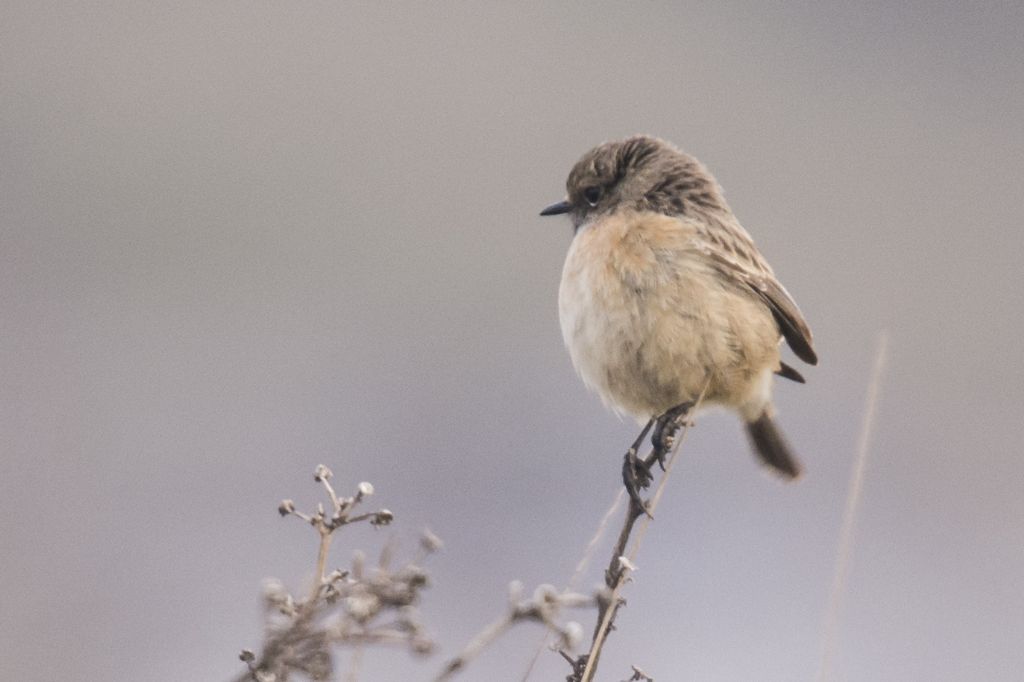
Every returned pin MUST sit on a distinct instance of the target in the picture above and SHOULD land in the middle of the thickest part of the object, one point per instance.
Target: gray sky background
(239, 239)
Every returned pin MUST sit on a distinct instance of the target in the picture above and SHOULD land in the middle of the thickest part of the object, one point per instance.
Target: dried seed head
(515, 592)
(331, 593)
(286, 507)
(365, 489)
(322, 473)
(276, 597)
(382, 518)
(572, 635)
(414, 576)
(545, 594)
(422, 646)
(274, 590)
(362, 606)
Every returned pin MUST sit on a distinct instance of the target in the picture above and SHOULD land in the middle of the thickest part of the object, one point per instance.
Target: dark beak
(555, 209)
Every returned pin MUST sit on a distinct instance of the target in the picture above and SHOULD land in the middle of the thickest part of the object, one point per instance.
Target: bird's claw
(663, 440)
(636, 475)
(636, 471)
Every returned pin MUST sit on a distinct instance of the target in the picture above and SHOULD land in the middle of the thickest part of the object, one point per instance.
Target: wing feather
(731, 251)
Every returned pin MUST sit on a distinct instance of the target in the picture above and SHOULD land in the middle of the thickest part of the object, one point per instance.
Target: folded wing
(733, 254)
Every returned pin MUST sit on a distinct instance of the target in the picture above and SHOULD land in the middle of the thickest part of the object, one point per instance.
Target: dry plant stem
(325, 480)
(343, 607)
(544, 607)
(616, 573)
(482, 640)
(321, 560)
(850, 513)
(613, 579)
(326, 531)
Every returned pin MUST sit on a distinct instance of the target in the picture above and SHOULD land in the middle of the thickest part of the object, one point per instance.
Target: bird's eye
(592, 195)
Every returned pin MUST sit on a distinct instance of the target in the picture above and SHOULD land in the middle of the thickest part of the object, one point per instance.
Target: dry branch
(361, 605)
(622, 561)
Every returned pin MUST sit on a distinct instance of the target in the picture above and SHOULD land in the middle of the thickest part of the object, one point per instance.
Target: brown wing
(732, 252)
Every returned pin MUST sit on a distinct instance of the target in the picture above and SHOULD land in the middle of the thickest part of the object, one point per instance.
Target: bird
(665, 302)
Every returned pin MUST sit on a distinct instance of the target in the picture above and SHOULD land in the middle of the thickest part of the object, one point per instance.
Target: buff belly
(649, 325)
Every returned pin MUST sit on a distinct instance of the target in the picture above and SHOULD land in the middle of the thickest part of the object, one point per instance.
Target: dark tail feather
(771, 447)
(787, 372)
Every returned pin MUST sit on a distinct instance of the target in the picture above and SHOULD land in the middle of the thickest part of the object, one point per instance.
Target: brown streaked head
(640, 173)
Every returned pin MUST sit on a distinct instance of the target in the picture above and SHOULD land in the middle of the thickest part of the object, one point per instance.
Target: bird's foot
(636, 472)
(636, 475)
(666, 429)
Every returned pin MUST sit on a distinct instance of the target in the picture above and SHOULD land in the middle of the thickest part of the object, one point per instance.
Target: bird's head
(640, 173)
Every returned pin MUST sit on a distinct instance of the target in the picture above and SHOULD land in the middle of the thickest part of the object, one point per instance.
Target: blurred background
(241, 239)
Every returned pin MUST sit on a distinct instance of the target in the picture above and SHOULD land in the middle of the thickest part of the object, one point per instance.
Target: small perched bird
(665, 299)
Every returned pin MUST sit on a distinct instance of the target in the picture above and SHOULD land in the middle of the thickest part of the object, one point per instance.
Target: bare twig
(344, 607)
(639, 676)
(545, 606)
(621, 563)
(850, 513)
